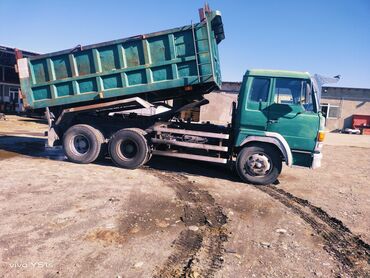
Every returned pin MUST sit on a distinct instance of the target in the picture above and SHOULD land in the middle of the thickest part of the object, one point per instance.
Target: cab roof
(278, 73)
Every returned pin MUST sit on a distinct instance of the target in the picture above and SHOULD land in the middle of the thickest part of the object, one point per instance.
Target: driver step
(191, 145)
(190, 156)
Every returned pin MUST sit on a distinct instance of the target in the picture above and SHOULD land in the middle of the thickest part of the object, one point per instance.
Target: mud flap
(302, 159)
(52, 137)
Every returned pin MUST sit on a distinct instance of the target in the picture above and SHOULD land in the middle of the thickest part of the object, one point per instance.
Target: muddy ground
(176, 218)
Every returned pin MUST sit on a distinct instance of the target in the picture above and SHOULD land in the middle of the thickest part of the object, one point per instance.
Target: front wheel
(259, 165)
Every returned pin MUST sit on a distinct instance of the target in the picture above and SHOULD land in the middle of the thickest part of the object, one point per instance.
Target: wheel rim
(258, 164)
(128, 149)
(81, 144)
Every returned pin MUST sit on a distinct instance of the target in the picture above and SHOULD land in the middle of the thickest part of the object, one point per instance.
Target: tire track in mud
(347, 248)
(197, 251)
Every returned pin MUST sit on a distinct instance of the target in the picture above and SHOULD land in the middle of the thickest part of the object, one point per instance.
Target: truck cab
(277, 120)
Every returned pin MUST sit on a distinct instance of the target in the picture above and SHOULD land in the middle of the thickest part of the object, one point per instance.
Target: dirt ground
(177, 218)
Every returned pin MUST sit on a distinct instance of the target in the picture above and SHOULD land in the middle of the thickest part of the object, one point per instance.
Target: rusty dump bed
(173, 62)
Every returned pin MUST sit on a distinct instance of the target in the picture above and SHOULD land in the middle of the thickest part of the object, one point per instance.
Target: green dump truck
(123, 98)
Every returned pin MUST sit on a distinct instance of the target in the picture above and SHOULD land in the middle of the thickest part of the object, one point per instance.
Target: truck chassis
(162, 134)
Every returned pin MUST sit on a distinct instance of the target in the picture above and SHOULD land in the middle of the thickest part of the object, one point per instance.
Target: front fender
(274, 139)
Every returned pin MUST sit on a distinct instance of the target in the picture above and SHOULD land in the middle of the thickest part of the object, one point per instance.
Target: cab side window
(292, 91)
(259, 90)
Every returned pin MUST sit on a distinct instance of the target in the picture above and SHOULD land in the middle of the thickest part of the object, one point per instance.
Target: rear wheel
(259, 164)
(149, 156)
(83, 143)
(128, 148)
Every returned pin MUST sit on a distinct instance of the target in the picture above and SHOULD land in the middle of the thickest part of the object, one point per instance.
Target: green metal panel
(278, 73)
(158, 61)
(298, 127)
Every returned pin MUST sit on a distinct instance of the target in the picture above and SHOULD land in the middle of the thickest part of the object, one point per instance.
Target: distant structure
(338, 105)
(9, 82)
(219, 109)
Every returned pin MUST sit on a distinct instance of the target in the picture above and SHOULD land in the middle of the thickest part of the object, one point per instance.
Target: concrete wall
(347, 109)
(219, 109)
(345, 93)
(350, 100)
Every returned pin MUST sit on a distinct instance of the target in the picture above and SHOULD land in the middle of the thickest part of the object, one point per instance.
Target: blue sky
(327, 37)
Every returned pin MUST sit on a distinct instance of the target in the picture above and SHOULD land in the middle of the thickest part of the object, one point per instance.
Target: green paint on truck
(166, 60)
(276, 119)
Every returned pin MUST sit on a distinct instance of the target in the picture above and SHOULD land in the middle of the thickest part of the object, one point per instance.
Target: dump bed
(166, 63)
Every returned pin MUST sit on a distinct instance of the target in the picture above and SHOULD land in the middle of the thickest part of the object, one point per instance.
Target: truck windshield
(294, 91)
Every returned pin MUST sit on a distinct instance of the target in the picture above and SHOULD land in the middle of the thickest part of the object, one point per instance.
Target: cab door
(291, 114)
(255, 114)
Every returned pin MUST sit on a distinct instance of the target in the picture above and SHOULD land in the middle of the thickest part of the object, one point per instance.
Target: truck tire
(260, 165)
(148, 157)
(83, 143)
(128, 148)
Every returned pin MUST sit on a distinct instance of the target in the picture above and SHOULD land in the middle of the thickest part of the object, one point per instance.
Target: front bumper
(316, 162)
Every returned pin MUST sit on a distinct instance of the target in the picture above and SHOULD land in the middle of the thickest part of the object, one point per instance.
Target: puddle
(23, 132)
(7, 155)
(13, 146)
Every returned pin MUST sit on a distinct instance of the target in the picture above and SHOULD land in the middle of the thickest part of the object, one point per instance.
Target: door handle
(274, 121)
